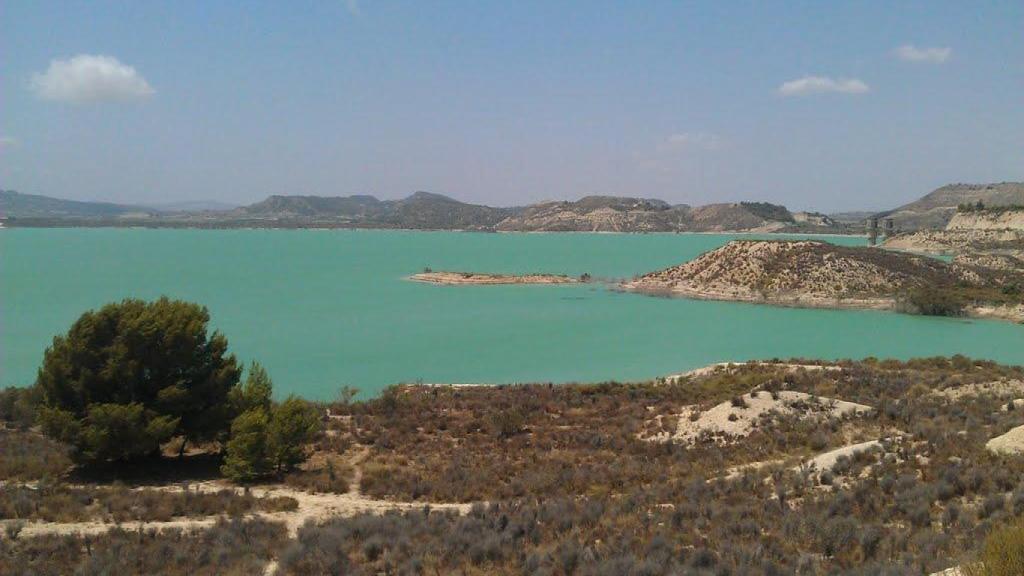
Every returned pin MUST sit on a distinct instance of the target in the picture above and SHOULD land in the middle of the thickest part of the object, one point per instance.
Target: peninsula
(818, 274)
(463, 278)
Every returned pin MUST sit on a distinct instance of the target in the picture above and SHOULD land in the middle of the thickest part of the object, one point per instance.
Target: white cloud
(702, 140)
(822, 84)
(88, 78)
(933, 55)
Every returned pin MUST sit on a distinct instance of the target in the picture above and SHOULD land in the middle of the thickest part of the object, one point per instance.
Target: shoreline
(1013, 314)
(324, 226)
(486, 279)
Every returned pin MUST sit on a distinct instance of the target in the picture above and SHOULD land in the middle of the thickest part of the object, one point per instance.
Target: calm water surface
(325, 308)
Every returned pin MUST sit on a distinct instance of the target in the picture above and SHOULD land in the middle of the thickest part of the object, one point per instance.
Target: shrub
(1002, 553)
(932, 301)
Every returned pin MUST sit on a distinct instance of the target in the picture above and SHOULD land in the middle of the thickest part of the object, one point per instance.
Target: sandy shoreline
(982, 312)
(787, 301)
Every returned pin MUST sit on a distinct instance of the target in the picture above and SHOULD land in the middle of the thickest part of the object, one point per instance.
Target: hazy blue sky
(823, 105)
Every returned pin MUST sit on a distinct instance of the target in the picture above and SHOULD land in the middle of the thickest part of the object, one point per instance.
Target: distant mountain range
(428, 211)
(424, 210)
(420, 211)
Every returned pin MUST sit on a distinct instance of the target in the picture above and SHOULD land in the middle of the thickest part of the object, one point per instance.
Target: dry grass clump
(28, 456)
(321, 474)
(231, 547)
(59, 503)
(1002, 553)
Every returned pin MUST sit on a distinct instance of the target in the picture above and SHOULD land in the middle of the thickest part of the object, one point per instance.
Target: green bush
(931, 301)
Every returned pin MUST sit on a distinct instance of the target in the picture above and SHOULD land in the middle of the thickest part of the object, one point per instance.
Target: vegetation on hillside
(578, 479)
(808, 272)
(769, 211)
(980, 207)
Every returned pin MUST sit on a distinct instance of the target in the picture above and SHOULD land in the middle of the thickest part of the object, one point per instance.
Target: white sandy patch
(315, 507)
(311, 507)
(1010, 443)
(729, 366)
(827, 460)
(996, 387)
(726, 422)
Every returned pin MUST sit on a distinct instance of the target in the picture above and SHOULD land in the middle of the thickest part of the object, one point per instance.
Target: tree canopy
(131, 375)
(267, 437)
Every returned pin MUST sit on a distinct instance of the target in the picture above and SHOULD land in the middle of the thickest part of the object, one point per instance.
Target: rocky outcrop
(957, 241)
(1006, 262)
(988, 220)
(990, 238)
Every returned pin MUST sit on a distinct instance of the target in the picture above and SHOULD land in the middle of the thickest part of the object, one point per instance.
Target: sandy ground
(821, 462)
(315, 507)
(460, 278)
(726, 422)
(827, 460)
(711, 369)
(1010, 443)
(997, 387)
(1005, 312)
(311, 507)
(791, 300)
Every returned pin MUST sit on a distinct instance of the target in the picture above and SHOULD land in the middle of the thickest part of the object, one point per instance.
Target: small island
(461, 278)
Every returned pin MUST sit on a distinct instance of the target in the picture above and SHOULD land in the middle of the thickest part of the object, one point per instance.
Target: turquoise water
(325, 308)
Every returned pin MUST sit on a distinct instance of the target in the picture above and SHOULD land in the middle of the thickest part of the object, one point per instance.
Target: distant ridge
(935, 209)
(17, 205)
(424, 211)
(421, 210)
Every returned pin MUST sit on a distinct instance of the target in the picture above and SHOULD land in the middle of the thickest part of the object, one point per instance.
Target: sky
(817, 105)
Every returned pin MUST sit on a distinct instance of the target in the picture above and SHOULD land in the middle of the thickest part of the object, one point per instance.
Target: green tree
(255, 392)
(137, 373)
(295, 423)
(120, 431)
(246, 457)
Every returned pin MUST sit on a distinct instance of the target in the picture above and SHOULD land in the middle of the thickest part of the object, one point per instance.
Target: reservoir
(326, 308)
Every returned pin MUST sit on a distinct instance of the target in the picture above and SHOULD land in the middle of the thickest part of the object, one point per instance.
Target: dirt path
(311, 507)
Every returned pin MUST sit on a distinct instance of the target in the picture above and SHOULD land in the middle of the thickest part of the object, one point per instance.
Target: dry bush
(231, 547)
(28, 456)
(57, 503)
